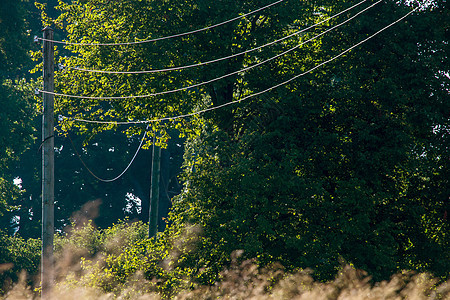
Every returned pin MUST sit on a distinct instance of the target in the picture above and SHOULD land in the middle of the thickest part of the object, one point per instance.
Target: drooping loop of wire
(217, 78)
(218, 59)
(122, 173)
(254, 94)
(166, 37)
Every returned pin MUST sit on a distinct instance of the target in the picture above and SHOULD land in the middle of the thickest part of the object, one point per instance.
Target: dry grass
(246, 281)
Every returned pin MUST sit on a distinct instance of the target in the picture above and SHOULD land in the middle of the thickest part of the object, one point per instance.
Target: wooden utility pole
(48, 174)
(154, 191)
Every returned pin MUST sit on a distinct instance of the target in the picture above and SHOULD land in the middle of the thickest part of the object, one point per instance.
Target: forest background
(348, 164)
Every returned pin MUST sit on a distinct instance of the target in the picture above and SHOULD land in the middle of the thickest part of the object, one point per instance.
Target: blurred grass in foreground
(122, 263)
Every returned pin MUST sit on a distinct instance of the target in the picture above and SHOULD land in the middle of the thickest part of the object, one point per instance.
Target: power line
(218, 59)
(118, 176)
(170, 36)
(255, 94)
(217, 78)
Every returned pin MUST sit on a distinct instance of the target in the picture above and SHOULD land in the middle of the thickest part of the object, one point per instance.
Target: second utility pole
(154, 190)
(48, 174)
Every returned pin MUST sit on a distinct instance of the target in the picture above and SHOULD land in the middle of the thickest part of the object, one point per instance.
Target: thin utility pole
(48, 174)
(154, 191)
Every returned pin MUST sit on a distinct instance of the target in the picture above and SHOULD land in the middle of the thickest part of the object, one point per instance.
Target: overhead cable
(118, 176)
(254, 94)
(218, 59)
(214, 79)
(165, 37)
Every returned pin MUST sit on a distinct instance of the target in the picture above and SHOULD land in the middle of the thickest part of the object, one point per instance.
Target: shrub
(17, 255)
(122, 259)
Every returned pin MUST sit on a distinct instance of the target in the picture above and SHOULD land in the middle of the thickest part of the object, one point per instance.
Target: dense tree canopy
(347, 163)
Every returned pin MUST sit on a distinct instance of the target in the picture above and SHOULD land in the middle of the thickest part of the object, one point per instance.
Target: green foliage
(102, 21)
(16, 135)
(8, 192)
(328, 170)
(17, 255)
(16, 117)
(13, 39)
(347, 164)
(122, 258)
(16, 102)
(83, 237)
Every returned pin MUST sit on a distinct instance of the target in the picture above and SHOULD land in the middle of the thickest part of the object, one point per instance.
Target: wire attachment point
(36, 91)
(36, 39)
(61, 66)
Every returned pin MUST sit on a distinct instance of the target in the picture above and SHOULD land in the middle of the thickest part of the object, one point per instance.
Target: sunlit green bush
(115, 259)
